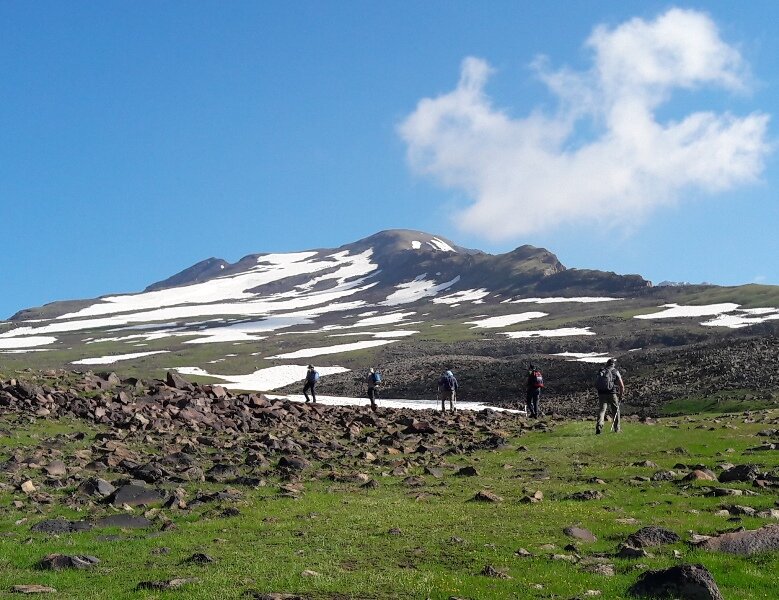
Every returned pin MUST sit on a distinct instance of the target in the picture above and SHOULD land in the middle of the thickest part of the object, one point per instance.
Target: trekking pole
(616, 415)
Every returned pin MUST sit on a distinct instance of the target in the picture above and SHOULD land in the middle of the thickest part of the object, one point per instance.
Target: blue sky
(139, 138)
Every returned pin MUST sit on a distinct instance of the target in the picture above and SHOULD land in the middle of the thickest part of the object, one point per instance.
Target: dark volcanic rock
(646, 537)
(123, 521)
(740, 473)
(745, 543)
(94, 486)
(134, 495)
(59, 526)
(686, 582)
(57, 562)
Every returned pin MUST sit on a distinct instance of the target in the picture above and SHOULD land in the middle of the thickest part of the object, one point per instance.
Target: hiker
(372, 379)
(610, 388)
(535, 382)
(447, 390)
(312, 378)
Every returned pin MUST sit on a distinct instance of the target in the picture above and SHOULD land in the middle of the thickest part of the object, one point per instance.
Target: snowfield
(263, 380)
(559, 300)
(398, 403)
(108, 360)
(309, 352)
(673, 311)
(588, 357)
(505, 320)
(564, 332)
(417, 289)
(25, 342)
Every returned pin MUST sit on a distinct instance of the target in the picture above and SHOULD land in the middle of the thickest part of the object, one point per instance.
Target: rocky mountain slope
(405, 301)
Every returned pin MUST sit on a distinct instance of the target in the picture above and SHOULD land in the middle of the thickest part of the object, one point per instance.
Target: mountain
(410, 301)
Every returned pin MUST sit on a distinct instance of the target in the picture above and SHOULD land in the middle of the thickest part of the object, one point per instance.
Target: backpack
(605, 380)
(535, 379)
(376, 377)
(313, 377)
(448, 382)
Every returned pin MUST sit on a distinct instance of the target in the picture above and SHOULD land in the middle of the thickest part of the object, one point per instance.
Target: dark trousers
(309, 386)
(533, 399)
(372, 397)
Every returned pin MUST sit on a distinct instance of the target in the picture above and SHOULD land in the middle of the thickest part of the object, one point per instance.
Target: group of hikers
(608, 383)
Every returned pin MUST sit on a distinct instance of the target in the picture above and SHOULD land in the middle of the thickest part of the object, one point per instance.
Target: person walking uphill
(372, 379)
(312, 378)
(535, 383)
(447, 390)
(610, 388)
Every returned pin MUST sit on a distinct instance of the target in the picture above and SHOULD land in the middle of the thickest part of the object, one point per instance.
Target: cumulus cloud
(542, 167)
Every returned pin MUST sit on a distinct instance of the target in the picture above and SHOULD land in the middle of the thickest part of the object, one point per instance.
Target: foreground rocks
(686, 582)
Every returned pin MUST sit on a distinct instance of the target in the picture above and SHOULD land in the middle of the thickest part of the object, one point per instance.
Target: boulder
(580, 533)
(686, 582)
(740, 473)
(57, 562)
(646, 537)
(134, 495)
(745, 543)
(60, 526)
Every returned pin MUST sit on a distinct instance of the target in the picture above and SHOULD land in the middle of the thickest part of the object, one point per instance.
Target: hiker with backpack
(535, 383)
(447, 390)
(610, 388)
(312, 378)
(373, 379)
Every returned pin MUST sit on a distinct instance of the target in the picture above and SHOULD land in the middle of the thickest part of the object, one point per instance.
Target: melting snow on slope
(462, 296)
(505, 320)
(26, 342)
(416, 245)
(673, 311)
(738, 321)
(416, 290)
(107, 360)
(439, 244)
(557, 300)
(387, 319)
(379, 334)
(563, 332)
(337, 349)
(588, 357)
(263, 380)
(398, 403)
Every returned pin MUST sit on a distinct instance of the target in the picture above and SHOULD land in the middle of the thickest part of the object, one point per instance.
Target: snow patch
(398, 403)
(505, 320)
(263, 380)
(379, 334)
(107, 360)
(417, 289)
(673, 311)
(588, 357)
(563, 332)
(462, 296)
(416, 245)
(337, 349)
(439, 244)
(558, 299)
(26, 342)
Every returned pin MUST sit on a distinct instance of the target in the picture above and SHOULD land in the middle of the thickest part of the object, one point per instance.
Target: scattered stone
(523, 553)
(200, 558)
(740, 473)
(628, 551)
(28, 487)
(56, 468)
(490, 571)
(468, 471)
(123, 521)
(33, 588)
(310, 573)
(168, 584)
(580, 533)
(95, 486)
(486, 496)
(607, 569)
(700, 475)
(745, 543)
(57, 562)
(134, 495)
(688, 582)
(646, 537)
(533, 498)
(60, 526)
(586, 495)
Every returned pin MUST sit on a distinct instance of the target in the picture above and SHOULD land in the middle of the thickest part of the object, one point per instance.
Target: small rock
(28, 487)
(486, 496)
(490, 571)
(33, 588)
(309, 573)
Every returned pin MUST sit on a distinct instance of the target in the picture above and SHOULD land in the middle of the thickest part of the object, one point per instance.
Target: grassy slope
(342, 531)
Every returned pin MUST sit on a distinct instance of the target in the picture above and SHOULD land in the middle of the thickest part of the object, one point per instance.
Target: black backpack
(604, 382)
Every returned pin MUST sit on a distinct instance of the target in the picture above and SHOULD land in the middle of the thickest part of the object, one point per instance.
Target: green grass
(726, 401)
(342, 531)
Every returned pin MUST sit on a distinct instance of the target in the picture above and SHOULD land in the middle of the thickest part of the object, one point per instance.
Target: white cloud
(541, 167)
